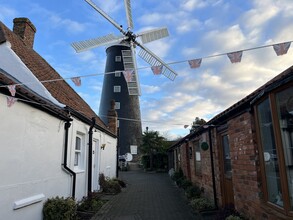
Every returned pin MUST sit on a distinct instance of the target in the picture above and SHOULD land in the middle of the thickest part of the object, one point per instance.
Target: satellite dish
(128, 157)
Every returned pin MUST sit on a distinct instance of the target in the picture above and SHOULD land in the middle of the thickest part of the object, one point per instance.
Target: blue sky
(197, 28)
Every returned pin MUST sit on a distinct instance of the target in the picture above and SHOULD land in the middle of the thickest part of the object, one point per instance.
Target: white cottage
(52, 143)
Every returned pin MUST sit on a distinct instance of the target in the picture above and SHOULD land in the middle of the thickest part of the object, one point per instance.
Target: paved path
(148, 196)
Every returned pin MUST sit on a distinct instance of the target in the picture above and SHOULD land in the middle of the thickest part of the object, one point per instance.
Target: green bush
(121, 182)
(90, 203)
(232, 217)
(193, 192)
(59, 208)
(201, 204)
(177, 175)
(186, 183)
(110, 185)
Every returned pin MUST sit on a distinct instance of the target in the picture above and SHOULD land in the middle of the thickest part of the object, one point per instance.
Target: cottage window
(197, 158)
(275, 126)
(79, 151)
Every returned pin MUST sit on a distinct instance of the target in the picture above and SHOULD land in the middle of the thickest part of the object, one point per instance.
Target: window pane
(227, 157)
(197, 158)
(76, 159)
(270, 153)
(77, 143)
(285, 114)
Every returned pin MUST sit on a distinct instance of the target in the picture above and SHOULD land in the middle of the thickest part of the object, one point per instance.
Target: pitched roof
(61, 90)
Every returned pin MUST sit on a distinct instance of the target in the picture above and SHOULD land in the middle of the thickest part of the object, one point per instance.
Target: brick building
(244, 155)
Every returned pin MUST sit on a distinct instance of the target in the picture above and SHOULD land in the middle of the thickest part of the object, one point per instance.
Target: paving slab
(148, 196)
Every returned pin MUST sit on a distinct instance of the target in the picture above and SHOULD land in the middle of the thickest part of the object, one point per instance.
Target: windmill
(121, 59)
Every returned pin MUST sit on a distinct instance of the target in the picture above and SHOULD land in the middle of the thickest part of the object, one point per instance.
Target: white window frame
(117, 89)
(117, 58)
(79, 151)
(117, 105)
(117, 73)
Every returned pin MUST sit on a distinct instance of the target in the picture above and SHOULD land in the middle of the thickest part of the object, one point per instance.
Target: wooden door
(226, 172)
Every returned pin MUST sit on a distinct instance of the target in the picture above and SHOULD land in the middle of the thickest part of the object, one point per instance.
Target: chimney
(112, 118)
(24, 28)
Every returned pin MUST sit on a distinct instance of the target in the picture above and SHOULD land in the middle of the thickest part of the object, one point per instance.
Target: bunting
(128, 75)
(10, 101)
(194, 63)
(235, 57)
(186, 126)
(76, 81)
(282, 48)
(12, 89)
(157, 70)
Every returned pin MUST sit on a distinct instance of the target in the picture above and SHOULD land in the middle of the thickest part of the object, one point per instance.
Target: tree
(197, 123)
(152, 143)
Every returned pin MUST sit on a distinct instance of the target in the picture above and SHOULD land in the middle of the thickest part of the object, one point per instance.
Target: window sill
(77, 170)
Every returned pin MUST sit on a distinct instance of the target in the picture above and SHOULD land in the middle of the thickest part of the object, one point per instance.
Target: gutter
(90, 156)
(72, 173)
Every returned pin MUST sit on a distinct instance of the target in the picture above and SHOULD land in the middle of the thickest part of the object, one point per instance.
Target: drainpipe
(72, 173)
(90, 161)
(213, 170)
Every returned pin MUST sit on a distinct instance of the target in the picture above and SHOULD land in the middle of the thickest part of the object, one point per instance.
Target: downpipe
(71, 172)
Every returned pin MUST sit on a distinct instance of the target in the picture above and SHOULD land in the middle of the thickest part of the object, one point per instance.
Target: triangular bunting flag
(235, 57)
(76, 81)
(186, 126)
(128, 75)
(12, 89)
(194, 63)
(157, 70)
(282, 48)
(10, 101)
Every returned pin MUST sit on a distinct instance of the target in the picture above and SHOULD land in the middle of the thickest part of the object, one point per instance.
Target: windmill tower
(121, 81)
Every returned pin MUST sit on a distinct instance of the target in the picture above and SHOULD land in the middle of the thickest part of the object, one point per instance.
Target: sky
(197, 29)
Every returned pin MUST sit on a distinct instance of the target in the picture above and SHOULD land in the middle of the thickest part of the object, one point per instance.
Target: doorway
(226, 171)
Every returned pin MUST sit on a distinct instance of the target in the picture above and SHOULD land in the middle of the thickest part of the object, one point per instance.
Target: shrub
(120, 182)
(228, 211)
(91, 203)
(180, 181)
(193, 192)
(59, 208)
(186, 183)
(177, 175)
(201, 204)
(232, 217)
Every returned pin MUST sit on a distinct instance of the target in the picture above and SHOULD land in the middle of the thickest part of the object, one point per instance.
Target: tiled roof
(61, 90)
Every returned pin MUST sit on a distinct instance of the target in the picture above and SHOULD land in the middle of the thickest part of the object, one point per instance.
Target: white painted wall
(31, 143)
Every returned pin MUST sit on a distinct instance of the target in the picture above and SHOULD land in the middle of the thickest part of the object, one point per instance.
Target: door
(226, 172)
(95, 165)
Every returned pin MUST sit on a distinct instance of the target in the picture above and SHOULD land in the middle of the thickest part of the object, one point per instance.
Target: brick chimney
(24, 28)
(112, 118)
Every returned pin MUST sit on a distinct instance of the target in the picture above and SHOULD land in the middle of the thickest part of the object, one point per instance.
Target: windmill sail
(105, 15)
(129, 63)
(128, 14)
(153, 35)
(96, 42)
(154, 60)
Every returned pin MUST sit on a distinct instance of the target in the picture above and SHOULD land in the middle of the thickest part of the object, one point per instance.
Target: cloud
(148, 89)
(190, 5)
(7, 13)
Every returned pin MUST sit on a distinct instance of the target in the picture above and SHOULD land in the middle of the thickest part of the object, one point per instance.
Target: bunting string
(235, 57)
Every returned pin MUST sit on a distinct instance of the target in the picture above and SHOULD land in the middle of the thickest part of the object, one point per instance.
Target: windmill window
(117, 89)
(117, 105)
(118, 59)
(117, 73)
